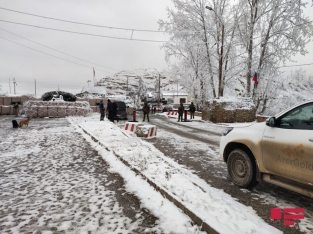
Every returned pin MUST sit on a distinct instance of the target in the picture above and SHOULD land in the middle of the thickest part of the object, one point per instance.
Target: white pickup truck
(278, 151)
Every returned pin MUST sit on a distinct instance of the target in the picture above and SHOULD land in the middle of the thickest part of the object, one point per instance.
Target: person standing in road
(15, 109)
(101, 107)
(146, 110)
(154, 109)
(180, 112)
(192, 110)
(110, 111)
(115, 111)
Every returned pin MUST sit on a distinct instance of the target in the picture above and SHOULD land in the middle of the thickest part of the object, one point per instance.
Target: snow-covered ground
(62, 198)
(214, 206)
(274, 198)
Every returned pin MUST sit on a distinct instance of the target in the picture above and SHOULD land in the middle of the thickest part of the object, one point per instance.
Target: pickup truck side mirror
(271, 122)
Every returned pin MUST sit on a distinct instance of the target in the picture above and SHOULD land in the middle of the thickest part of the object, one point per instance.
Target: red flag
(255, 79)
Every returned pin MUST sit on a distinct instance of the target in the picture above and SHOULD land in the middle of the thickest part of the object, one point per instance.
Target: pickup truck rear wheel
(241, 169)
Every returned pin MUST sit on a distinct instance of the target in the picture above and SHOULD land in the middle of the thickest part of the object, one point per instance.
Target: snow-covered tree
(142, 89)
(221, 43)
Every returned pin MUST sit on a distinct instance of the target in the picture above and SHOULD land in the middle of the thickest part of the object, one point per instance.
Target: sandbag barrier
(41, 109)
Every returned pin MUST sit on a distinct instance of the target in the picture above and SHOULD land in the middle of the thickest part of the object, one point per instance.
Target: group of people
(111, 109)
(181, 109)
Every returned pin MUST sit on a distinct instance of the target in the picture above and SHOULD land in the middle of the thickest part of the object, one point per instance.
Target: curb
(196, 219)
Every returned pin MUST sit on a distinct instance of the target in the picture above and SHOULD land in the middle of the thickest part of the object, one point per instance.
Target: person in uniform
(192, 110)
(101, 107)
(146, 110)
(110, 111)
(115, 111)
(180, 112)
(15, 109)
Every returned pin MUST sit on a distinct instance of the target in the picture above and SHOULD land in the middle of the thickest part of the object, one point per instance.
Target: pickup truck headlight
(227, 130)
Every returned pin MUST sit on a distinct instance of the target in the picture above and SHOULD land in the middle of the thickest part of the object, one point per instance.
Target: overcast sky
(27, 61)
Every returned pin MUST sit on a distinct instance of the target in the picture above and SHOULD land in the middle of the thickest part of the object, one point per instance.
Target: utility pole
(126, 85)
(10, 84)
(35, 87)
(14, 83)
(159, 93)
(177, 92)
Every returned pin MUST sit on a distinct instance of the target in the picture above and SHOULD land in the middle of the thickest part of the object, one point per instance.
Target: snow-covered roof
(174, 94)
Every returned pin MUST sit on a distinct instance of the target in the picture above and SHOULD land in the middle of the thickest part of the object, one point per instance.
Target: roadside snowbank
(217, 208)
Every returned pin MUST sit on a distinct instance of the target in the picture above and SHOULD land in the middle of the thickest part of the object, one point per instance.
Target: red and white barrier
(152, 131)
(172, 113)
(143, 130)
(131, 126)
(148, 130)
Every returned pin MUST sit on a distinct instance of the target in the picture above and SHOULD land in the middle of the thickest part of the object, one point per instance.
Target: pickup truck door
(287, 148)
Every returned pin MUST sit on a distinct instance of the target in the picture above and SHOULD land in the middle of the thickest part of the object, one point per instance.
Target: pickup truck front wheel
(241, 169)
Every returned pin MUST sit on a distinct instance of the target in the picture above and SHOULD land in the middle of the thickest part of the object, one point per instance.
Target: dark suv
(121, 110)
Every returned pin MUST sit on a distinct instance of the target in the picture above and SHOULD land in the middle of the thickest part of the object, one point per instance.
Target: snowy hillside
(140, 80)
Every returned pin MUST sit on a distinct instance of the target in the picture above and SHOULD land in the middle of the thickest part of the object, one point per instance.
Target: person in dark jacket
(101, 107)
(192, 110)
(180, 112)
(110, 111)
(15, 109)
(115, 112)
(146, 110)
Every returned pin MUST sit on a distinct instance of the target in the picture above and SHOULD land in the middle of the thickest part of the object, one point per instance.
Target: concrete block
(6, 110)
(15, 99)
(6, 101)
(92, 102)
(132, 126)
(146, 131)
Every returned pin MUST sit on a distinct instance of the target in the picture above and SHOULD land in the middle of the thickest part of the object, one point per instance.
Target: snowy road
(180, 141)
(57, 179)
(52, 181)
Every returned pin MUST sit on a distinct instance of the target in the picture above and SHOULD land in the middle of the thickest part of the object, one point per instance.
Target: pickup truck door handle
(311, 139)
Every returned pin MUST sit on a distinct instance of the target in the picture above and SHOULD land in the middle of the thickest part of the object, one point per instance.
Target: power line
(65, 85)
(73, 22)
(102, 26)
(88, 34)
(49, 54)
(298, 65)
(58, 50)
